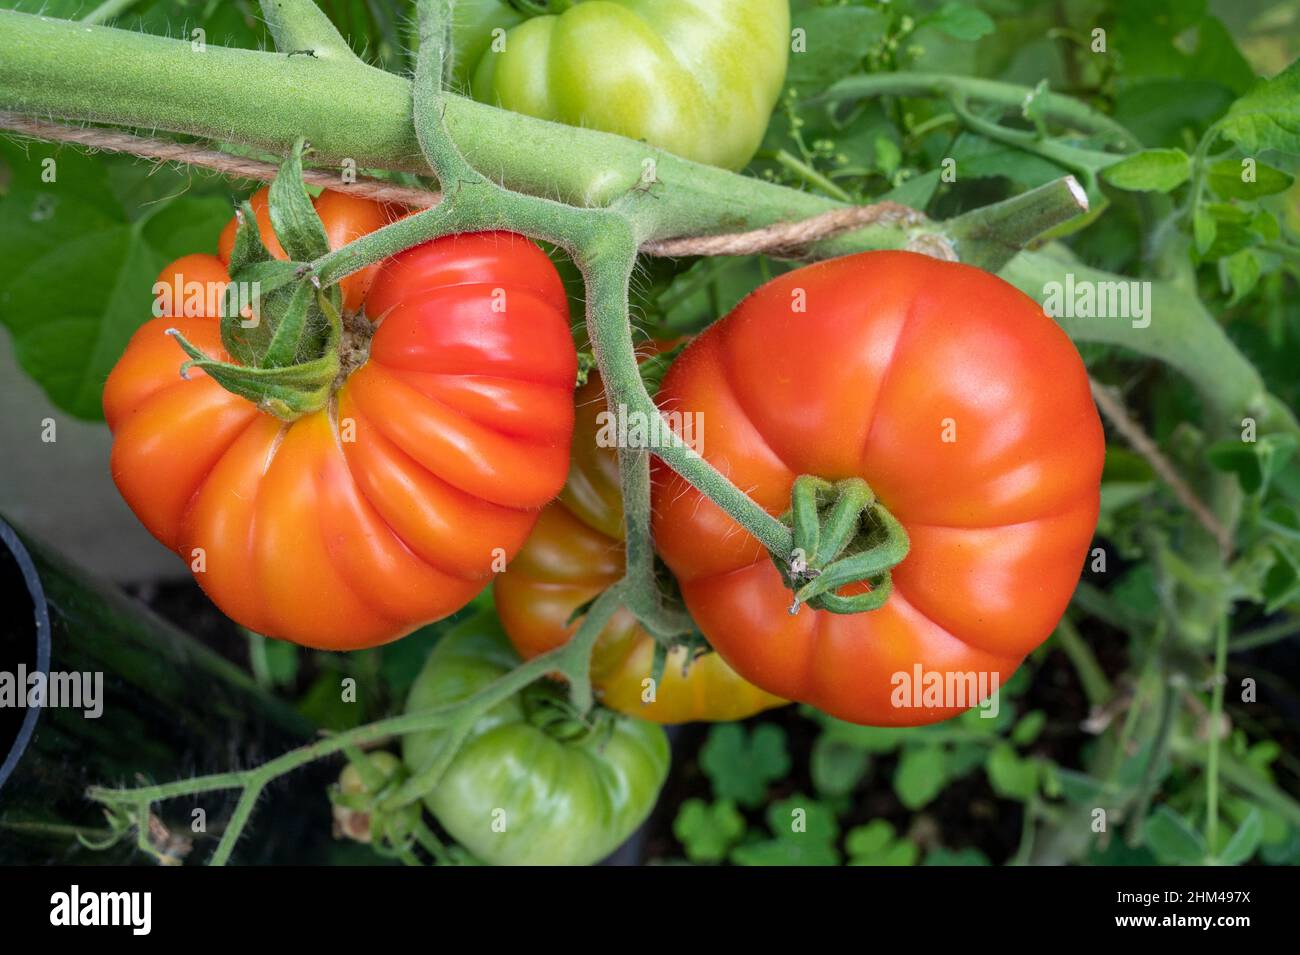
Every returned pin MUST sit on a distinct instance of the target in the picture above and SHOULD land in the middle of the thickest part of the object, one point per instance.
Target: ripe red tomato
(965, 409)
(575, 552)
(345, 216)
(353, 525)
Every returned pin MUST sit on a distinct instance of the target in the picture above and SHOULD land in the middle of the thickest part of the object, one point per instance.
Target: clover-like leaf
(741, 765)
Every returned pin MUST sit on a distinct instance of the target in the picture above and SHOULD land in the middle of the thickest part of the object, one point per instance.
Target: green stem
(235, 826)
(572, 660)
(1146, 788)
(991, 236)
(1093, 679)
(1199, 163)
(258, 661)
(348, 110)
(1057, 108)
(1024, 851)
(1085, 162)
(606, 262)
(1216, 720)
(301, 27)
(807, 173)
(108, 10)
(1243, 777)
(1270, 633)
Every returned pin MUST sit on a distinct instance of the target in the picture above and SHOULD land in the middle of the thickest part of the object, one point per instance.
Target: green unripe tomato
(530, 786)
(698, 78)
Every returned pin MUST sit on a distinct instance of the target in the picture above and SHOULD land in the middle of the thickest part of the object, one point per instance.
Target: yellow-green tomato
(698, 78)
(531, 784)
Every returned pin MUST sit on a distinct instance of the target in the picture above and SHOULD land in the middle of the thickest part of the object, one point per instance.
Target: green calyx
(842, 535)
(356, 801)
(552, 712)
(284, 330)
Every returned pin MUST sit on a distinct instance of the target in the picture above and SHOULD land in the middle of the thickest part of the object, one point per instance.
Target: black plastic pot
(171, 708)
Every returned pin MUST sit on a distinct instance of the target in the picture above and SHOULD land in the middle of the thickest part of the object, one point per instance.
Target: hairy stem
(1055, 107)
(300, 27)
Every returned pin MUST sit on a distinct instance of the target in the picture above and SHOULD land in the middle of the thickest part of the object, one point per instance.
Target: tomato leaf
(961, 21)
(1027, 730)
(1255, 463)
(1245, 841)
(1267, 117)
(82, 240)
(1246, 179)
(1152, 170)
(1242, 270)
(834, 41)
(1172, 840)
(920, 776)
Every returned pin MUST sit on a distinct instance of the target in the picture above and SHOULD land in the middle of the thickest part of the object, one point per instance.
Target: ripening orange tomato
(575, 552)
(352, 525)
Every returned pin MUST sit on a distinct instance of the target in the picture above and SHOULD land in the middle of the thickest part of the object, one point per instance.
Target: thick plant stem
(991, 236)
(348, 110)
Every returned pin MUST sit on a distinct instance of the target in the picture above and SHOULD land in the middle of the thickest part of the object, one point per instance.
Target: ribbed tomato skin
(355, 524)
(966, 409)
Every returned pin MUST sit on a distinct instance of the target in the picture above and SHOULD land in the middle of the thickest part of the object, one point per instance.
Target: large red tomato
(353, 525)
(964, 408)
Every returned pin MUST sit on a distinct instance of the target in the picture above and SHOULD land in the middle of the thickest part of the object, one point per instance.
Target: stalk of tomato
(965, 409)
(574, 553)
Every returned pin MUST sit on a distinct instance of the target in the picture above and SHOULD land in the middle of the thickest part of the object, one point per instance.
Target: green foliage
(877, 844)
(83, 238)
(708, 830)
(1173, 839)
(804, 833)
(1268, 117)
(741, 765)
(1160, 170)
